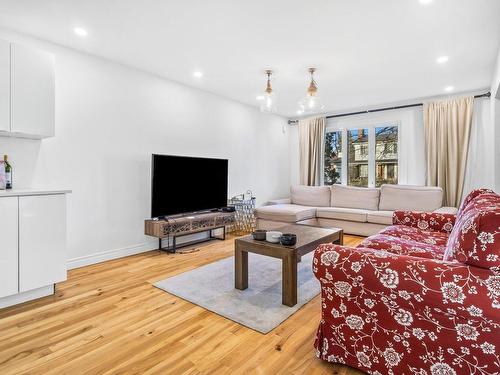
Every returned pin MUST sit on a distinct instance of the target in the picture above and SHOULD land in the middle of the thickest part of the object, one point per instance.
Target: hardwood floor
(109, 319)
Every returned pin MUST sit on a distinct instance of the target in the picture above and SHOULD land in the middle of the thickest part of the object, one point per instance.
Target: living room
(187, 191)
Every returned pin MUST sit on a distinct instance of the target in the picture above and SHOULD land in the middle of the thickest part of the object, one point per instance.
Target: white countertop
(32, 191)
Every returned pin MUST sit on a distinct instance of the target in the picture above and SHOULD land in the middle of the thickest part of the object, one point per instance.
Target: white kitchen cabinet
(8, 246)
(32, 92)
(42, 241)
(4, 86)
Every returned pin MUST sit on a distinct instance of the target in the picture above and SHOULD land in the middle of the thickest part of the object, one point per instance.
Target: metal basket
(244, 205)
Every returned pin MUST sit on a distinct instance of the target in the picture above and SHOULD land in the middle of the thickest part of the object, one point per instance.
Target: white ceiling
(367, 52)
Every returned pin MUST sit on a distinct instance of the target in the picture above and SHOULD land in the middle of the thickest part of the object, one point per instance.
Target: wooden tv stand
(173, 227)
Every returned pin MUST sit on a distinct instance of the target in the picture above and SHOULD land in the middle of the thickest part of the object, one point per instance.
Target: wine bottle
(8, 173)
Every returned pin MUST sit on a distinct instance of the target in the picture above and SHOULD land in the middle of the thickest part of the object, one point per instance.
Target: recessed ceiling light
(260, 97)
(442, 59)
(197, 74)
(80, 31)
(449, 88)
(425, 2)
(299, 112)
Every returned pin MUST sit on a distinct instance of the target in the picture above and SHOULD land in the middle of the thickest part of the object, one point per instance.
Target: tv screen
(186, 184)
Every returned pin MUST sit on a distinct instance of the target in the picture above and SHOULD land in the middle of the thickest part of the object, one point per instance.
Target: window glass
(333, 158)
(386, 155)
(357, 157)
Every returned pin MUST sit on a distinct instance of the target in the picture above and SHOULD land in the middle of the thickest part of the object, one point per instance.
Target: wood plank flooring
(108, 319)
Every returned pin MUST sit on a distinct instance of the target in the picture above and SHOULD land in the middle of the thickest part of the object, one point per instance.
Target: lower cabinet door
(9, 276)
(42, 241)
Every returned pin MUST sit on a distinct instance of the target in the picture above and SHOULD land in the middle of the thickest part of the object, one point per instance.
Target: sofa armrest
(279, 201)
(446, 210)
(425, 220)
(399, 282)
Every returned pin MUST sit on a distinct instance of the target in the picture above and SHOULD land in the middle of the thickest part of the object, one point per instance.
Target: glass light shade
(311, 104)
(268, 103)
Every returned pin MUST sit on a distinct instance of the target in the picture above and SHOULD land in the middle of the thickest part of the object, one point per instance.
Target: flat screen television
(183, 184)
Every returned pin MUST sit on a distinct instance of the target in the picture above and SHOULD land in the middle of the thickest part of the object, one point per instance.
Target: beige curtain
(311, 143)
(447, 127)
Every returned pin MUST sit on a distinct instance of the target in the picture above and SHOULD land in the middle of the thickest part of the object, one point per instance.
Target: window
(386, 155)
(357, 157)
(370, 155)
(333, 158)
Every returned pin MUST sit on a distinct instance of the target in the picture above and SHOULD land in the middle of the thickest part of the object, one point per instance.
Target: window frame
(332, 127)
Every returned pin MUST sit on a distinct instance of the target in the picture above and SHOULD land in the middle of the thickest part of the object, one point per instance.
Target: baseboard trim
(30, 295)
(103, 256)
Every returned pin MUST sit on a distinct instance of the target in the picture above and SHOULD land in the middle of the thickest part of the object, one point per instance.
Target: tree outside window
(386, 155)
(333, 158)
(357, 157)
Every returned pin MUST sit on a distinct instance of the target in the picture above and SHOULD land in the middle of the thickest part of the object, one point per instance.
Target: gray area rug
(258, 307)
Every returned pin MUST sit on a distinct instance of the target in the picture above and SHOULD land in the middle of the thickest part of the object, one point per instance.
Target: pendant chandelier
(268, 101)
(312, 102)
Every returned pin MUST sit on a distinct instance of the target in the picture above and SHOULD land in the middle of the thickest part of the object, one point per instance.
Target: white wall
(109, 120)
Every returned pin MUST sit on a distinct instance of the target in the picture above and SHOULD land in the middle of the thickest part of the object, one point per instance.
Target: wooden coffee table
(308, 238)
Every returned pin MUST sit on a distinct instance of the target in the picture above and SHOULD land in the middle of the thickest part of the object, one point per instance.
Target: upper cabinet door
(4, 85)
(32, 91)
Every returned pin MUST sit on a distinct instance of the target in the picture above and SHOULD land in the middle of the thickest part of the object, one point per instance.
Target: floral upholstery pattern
(414, 234)
(421, 297)
(396, 314)
(475, 239)
(473, 194)
(403, 246)
(425, 220)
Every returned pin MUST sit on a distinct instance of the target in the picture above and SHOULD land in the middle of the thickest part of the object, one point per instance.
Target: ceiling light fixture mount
(312, 102)
(268, 102)
(442, 59)
(80, 31)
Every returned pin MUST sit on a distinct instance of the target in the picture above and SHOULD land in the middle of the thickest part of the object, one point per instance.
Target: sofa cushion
(403, 246)
(416, 234)
(475, 238)
(471, 196)
(340, 213)
(317, 196)
(380, 217)
(410, 198)
(289, 213)
(355, 197)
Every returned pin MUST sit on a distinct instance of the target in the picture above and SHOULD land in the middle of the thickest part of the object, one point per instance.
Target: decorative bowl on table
(259, 234)
(273, 236)
(288, 239)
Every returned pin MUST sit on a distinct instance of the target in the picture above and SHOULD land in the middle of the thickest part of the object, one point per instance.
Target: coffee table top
(308, 238)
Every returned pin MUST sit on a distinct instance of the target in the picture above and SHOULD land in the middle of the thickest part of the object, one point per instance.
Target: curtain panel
(311, 145)
(447, 126)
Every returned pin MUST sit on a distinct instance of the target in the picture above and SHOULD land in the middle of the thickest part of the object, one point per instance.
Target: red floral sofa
(420, 297)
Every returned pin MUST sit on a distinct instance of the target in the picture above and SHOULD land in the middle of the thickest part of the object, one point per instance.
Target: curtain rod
(291, 122)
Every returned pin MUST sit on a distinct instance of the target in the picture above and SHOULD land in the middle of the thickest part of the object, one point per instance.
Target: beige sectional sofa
(361, 211)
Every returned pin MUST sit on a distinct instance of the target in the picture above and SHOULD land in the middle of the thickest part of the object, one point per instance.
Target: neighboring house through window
(371, 157)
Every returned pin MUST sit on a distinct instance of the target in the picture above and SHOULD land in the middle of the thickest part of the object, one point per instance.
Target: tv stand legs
(172, 249)
(218, 238)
